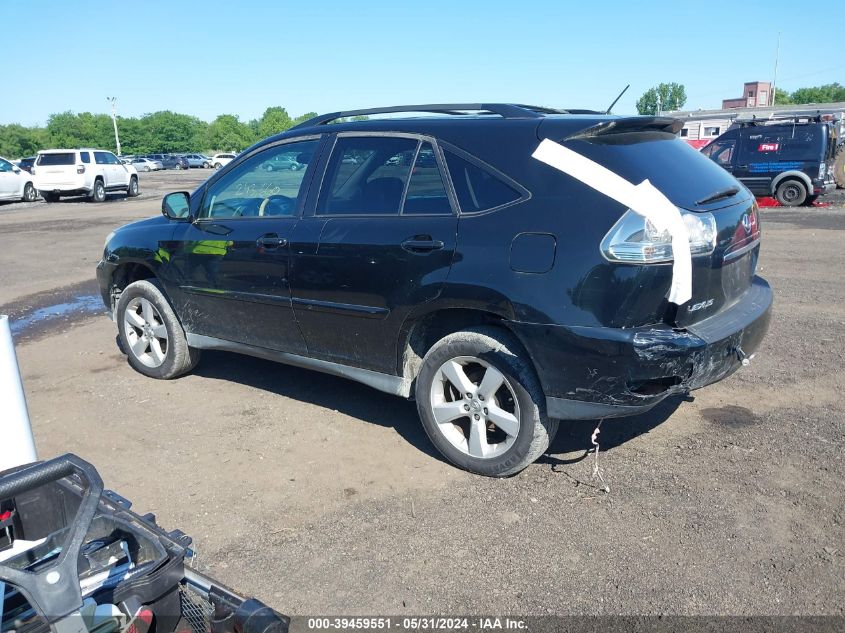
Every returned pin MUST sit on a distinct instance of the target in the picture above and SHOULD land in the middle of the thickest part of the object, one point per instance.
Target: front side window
(101, 158)
(251, 190)
(367, 175)
(5, 165)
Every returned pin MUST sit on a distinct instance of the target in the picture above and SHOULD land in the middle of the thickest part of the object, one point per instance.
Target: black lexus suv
(429, 255)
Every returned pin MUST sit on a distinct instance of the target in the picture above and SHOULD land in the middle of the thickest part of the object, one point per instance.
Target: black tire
(810, 200)
(98, 193)
(29, 193)
(791, 193)
(839, 168)
(179, 358)
(132, 189)
(500, 350)
(49, 196)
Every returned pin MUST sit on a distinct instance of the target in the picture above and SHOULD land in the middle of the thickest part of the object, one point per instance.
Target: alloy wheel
(475, 407)
(145, 332)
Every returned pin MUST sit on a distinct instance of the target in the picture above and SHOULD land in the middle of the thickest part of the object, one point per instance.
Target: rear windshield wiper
(722, 193)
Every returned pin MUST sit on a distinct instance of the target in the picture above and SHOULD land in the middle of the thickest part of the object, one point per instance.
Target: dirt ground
(322, 496)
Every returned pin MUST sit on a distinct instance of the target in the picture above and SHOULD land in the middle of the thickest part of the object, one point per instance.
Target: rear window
(676, 169)
(48, 160)
(477, 188)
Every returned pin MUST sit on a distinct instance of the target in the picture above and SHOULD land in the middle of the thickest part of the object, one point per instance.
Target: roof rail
(505, 110)
(816, 116)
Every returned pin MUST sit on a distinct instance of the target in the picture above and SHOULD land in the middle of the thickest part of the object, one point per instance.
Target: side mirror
(17, 170)
(177, 206)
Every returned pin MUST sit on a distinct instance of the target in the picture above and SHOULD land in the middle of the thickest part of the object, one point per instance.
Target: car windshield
(68, 158)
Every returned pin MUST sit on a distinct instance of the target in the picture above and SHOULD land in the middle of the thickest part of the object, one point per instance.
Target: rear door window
(51, 160)
(367, 175)
(426, 192)
(477, 188)
(85, 157)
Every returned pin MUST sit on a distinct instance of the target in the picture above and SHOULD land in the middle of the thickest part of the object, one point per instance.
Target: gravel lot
(320, 495)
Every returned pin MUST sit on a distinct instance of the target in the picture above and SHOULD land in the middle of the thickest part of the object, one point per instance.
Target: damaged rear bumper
(595, 372)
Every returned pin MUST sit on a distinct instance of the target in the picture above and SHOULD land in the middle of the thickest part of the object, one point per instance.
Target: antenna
(775, 80)
(617, 99)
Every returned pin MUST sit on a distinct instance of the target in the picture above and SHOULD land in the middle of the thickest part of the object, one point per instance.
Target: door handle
(421, 244)
(270, 241)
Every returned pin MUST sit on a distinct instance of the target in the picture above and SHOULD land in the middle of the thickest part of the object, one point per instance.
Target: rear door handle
(422, 244)
(270, 241)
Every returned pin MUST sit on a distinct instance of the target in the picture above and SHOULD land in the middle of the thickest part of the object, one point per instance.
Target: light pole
(114, 122)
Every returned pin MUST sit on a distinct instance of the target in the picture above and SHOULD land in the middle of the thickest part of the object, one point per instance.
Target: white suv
(73, 172)
(218, 160)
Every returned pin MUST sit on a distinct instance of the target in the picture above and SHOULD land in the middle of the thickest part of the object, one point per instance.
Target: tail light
(635, 240)
(80, 169)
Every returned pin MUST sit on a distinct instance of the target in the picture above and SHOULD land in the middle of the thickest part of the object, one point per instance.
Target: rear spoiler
(630, 124)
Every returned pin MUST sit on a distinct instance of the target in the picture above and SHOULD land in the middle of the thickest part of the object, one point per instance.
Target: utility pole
(114, 122)
(658, 103)
(775, 80)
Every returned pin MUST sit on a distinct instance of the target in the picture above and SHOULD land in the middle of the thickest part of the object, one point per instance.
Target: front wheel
(481, 403)
(132, 190)
(150, 333)
(791, 193)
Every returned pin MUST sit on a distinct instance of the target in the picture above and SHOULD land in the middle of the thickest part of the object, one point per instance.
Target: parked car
(90, 172)
(26, 163)
(15, 183)
(145, 164)
(283, 162)
(198, 160)
(169, 161)
(791, 161)
(499, 293)
(220, 160)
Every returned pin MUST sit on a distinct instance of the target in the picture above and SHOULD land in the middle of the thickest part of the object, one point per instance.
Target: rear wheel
(132, 190)
(217, 165)
(791, 193)
(150, 333)
(29, 193)
(98, 194)
(481, 403)
(839, 168)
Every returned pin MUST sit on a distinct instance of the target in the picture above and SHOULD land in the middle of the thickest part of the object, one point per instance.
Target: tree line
(159, 132)
(672, 96)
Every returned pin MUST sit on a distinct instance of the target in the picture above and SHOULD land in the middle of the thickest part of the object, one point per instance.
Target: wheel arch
(793, 174)
(420, 332)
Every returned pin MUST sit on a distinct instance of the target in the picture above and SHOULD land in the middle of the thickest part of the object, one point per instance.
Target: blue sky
(241, 56)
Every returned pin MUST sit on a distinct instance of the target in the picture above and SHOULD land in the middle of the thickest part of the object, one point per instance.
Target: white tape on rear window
(644, 199)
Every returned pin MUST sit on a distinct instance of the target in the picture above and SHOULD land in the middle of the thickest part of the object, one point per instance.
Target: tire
(839, 167)
(49, 196)
(98, 193)
(206, 166)
(810, 200)
(132, 189)
(217, 165)
(151, 335)
(146, 168)
(29, 193)
(791, 193)
(467, 357)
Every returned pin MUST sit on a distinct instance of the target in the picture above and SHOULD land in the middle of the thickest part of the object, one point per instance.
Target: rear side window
(366, 176)
(477, 189)
(50, 160)
(85, 157)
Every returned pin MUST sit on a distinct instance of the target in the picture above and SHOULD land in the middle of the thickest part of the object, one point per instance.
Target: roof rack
(816, 117)
(505, 110)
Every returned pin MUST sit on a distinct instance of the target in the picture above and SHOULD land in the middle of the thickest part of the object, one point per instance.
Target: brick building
(755, 94)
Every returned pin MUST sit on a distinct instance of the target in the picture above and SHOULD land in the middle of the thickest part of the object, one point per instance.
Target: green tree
(170, 132)
(304, 117)
(828, 93)
(274, 120)
(782, 97)
(227, 133)
(17, 141)
(672, 96)
(80, 130)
